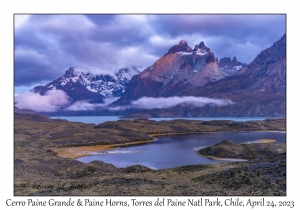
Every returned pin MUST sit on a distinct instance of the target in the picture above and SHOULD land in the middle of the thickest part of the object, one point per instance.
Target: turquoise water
(101, 119)
(175, 150)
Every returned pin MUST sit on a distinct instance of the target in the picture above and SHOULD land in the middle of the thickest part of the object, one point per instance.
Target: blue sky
(47, 45)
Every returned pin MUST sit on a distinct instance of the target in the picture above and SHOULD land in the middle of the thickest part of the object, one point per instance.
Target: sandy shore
(264, 141)
(226, 159)
(80, 151)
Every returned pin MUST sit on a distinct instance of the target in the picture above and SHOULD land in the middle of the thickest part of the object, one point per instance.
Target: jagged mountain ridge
(80, 85)
(266, 74)
(258, 89)
(230, 66)
(179, 67)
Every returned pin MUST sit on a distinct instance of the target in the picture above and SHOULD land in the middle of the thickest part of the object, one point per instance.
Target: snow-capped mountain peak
(123, 74)
(77, 81)
(199, 49)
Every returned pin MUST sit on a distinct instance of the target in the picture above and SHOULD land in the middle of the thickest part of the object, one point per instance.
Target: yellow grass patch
(76, 152)
(264, 141)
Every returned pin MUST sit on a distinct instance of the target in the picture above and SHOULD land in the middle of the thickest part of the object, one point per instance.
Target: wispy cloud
(161, 103)
(86, 106)
(55, 100)
(50, 102)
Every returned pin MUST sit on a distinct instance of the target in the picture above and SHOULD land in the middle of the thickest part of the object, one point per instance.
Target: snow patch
(237, 67)
(185, 53)
(90, 89)
(107, 85)
(201, 52)
(63, 83)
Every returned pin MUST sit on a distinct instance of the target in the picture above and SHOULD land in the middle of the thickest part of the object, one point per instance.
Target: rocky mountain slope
(179, 67)
(81, 85)
(258, 89)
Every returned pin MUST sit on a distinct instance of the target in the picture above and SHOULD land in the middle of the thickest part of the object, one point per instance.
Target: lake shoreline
(82, 151)
(75, 152)
(35, 161)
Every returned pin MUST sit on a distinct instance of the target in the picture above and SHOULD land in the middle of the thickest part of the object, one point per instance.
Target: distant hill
(24, 111)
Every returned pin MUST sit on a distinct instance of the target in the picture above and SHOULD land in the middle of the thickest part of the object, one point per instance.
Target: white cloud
(161, 103)
(54, 100)
(85, 105)
(50, 102)
(82, 105)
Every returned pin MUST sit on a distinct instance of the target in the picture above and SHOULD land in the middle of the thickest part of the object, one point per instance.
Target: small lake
(175, 150)
(101, 119)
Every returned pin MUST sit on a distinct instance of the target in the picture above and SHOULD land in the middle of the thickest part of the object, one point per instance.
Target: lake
(175, 150)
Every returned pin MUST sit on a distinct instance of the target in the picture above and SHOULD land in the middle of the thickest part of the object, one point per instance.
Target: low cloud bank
(54, 100)
(50, 102)
(162, 103)
(86, 106)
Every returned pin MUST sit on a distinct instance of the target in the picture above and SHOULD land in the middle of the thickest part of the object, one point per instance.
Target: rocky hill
(24, 111)
(230, 149)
